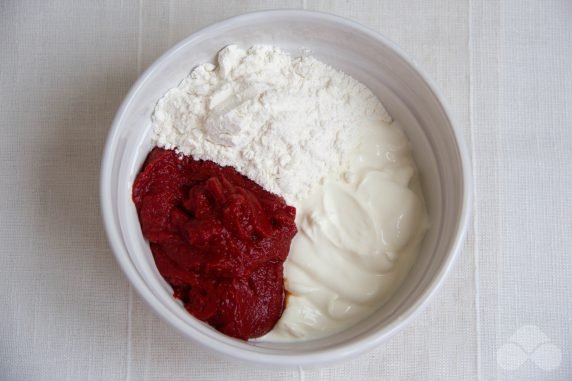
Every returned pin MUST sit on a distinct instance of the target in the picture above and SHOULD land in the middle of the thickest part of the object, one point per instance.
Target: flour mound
(284, 122)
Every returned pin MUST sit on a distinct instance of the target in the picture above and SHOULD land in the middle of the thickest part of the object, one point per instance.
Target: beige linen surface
(68, 312)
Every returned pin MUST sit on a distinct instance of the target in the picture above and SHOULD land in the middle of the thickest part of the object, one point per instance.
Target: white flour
(284, 122)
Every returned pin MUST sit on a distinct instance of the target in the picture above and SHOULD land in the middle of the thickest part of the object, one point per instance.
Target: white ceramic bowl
(407, 94)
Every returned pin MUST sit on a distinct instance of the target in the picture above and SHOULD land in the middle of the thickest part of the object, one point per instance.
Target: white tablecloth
(68, 312)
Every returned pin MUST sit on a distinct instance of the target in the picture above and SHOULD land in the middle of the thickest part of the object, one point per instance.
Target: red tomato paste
(218, 238)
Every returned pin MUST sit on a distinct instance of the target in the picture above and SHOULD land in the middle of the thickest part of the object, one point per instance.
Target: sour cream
(358, 236)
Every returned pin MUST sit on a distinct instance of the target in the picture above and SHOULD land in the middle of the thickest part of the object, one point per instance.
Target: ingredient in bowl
(284, 122)
(358, 237)
(218, 238)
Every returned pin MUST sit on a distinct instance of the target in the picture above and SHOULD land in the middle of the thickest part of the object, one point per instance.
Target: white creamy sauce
(358, 238)
(324, 142)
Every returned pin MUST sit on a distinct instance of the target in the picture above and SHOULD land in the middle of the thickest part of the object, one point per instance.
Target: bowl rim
(319, 357)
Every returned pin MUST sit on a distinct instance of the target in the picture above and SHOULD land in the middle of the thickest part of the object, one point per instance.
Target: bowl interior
(361, 54)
